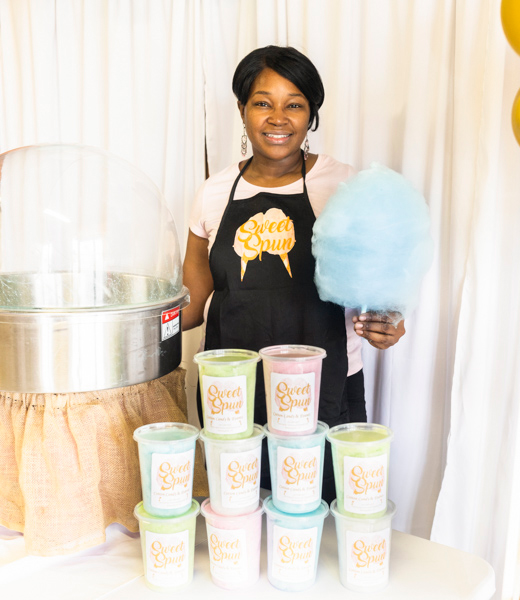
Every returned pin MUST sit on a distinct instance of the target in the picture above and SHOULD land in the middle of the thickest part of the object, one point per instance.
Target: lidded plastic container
(90, 272)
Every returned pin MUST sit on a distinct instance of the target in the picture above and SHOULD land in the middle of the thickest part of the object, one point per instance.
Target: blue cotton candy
(372, 243)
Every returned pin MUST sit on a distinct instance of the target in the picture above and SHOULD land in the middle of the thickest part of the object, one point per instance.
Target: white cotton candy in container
(372, 243)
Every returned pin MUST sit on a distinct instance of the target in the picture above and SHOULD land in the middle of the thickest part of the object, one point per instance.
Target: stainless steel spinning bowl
(126, 333)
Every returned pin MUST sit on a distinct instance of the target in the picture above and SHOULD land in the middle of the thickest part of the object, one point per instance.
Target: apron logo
(271, 232)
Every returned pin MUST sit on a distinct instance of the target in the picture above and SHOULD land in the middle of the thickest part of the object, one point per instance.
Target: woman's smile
(277, 138)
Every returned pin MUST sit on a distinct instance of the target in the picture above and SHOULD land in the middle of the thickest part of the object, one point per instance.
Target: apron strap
(243, 170)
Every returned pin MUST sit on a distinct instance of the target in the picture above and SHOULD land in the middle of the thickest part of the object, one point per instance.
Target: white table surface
(419, 570)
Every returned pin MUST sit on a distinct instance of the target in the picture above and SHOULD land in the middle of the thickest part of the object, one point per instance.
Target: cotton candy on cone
(372, 243)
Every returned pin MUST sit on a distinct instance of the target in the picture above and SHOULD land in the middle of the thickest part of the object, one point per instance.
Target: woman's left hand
(379, 330)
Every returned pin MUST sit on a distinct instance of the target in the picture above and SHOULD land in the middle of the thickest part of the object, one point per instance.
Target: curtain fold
(479, 501)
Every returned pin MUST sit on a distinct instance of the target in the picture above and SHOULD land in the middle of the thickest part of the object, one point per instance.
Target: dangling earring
(243, 142)
(306, 148)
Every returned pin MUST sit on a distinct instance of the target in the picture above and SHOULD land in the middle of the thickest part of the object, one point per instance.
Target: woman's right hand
(198, 279)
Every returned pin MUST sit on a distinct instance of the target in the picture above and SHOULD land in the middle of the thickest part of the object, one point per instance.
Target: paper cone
(285, 260)
(243, 266)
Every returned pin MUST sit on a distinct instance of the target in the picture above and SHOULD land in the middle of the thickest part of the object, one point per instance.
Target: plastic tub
(296, 467)
(168, 547)
(227, 387)
(234, 472)
(360, 456)
(234, 547)
(166, 461)
(292, 376)
(293, 546)
(364, 549)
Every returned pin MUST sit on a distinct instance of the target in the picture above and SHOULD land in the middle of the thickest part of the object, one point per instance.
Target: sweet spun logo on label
(172, 476)
(288, 397)
(225, 550)
(295, 472)
(242, 474)
(168, 555)
(295, 551)
(364, 482)
(223, 400)
(367, 555)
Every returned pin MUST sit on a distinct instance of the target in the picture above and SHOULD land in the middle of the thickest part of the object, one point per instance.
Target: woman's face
(276, 116)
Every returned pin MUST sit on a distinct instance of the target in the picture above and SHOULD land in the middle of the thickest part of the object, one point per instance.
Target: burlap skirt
(69, 465)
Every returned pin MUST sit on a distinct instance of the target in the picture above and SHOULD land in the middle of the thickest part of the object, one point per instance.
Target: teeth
(277, 136)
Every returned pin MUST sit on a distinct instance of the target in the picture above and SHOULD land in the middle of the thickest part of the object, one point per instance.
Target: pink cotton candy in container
(292, 376)
(234, 547)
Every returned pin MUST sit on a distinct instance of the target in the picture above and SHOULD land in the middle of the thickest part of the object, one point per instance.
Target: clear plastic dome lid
(82, 229)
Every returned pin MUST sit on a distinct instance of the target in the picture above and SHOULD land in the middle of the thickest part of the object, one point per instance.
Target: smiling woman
(249, 265)
(276, 118)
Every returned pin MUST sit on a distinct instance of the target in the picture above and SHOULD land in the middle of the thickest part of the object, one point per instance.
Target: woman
(263, 298)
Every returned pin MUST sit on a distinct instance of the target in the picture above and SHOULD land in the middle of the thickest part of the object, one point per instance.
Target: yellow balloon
(515, 117)
(510, 14)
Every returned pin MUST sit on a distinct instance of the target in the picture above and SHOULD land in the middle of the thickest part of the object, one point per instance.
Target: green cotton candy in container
(168, 548)
(360, 457)
(364, 549)
(227, 388)
(166, 462)
(372, 243)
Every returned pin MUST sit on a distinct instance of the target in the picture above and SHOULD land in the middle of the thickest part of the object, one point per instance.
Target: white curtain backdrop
(423, 86)
(123, 75)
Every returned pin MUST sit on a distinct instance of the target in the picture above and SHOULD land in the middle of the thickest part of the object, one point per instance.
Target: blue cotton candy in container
(372, 243)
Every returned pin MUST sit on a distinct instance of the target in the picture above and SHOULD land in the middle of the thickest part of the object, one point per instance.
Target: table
(419, 569)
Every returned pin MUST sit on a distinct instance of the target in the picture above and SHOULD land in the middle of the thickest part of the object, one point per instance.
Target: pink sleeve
(197, 221)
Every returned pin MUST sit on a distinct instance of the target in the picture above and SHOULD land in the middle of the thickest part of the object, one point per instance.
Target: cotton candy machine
(90, 273)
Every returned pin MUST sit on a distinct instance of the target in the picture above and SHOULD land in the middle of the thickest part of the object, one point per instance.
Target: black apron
(271, 299)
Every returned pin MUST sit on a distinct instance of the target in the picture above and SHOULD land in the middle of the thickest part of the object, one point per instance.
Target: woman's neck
(267, 173)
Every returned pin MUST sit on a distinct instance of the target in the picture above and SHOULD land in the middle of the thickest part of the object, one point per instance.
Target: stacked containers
(363, 513)
(233, 446)
(167, 514)
(296, 443)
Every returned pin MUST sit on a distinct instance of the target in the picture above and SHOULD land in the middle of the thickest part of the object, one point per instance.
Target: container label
(294, 554)
(172, 479)
(292, 401)
(227, 554)
(298, 474)
(169, 323)
(365, 481)
(167, 558)
(240, 478)
(367, 557)
(225, 404)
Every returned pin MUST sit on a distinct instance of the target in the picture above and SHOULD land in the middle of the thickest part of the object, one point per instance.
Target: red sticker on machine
(169, 323)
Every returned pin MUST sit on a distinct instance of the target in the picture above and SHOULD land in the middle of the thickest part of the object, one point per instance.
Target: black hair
(287, 62)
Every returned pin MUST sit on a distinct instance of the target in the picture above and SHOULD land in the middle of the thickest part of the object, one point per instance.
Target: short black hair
(287, 62)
